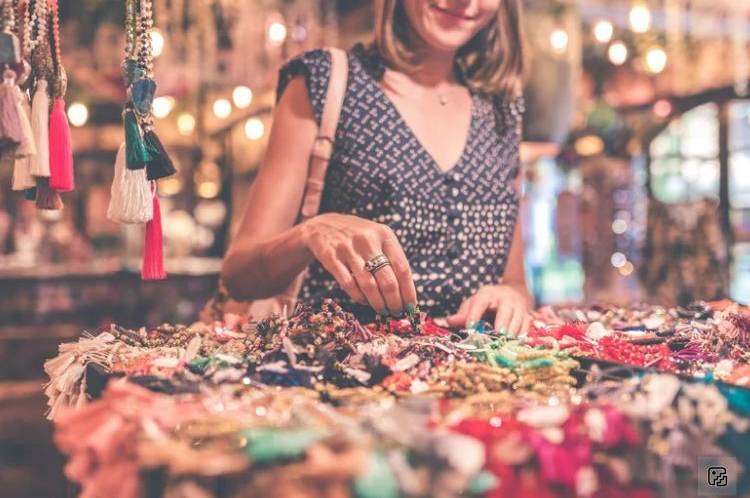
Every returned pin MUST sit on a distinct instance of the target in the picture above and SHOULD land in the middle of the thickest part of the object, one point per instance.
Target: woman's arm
(269, 250)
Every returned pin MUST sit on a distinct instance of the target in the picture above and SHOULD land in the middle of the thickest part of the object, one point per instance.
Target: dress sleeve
(315, 67)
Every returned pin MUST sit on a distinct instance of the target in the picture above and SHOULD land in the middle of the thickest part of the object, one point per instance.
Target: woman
(425, 171)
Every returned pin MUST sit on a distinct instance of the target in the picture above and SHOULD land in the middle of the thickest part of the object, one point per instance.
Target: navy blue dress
(456, 226)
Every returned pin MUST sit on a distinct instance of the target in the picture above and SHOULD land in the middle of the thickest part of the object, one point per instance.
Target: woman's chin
(447, 42)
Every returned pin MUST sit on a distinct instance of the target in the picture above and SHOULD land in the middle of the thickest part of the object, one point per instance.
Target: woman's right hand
(344, 243)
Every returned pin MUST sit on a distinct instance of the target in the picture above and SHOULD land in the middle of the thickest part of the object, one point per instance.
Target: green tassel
(378, 480)
(271, 444)
(136, 154)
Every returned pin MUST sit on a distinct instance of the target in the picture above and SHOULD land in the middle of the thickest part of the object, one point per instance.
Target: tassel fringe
(153, 248)
(136, 154)
(40, 130)
(60, 150)
(11, 133)
(131, 200)
(161, 165)
(22, 178)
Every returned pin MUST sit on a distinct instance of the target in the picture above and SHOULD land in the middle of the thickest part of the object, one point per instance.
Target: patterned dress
(455, 226)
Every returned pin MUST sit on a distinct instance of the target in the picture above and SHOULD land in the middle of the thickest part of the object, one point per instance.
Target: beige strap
(323, 145)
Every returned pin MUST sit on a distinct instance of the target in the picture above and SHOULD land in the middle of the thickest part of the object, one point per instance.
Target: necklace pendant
(442, 99)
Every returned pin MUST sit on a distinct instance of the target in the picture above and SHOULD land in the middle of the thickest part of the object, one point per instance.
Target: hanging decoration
(34, 134)
(142, 159)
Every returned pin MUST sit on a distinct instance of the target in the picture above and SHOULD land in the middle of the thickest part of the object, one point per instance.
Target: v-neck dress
(455, 226)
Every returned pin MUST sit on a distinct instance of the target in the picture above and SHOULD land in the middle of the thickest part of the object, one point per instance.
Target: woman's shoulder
(315, 67)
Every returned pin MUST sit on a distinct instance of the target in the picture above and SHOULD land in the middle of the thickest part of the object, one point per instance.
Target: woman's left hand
(510, 306)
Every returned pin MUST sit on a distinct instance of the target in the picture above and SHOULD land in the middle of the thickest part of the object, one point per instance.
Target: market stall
(598, 402)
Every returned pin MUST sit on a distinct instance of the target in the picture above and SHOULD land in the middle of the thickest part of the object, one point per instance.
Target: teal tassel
(482, 483)
(136, 154)
(30, 194)
(161, 165)
(378, 480)
(271, 444)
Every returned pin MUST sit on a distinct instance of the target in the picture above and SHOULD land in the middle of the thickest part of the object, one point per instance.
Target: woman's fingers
(526, 324)
(458, 319)
(389, 289)
(516, 322)
(367, 284)
(477, 308)
(503, 316)
(367, 246)
(400, 265)
(340, 271)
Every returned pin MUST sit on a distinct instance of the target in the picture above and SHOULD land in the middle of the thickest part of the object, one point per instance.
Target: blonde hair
(492, 62)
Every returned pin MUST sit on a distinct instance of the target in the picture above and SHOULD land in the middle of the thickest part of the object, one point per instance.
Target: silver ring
(376, 263)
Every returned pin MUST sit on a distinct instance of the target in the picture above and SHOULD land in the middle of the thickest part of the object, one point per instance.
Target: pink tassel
(60, 150)
(153, 250)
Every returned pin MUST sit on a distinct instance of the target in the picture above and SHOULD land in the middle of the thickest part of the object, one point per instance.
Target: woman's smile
(453, 13)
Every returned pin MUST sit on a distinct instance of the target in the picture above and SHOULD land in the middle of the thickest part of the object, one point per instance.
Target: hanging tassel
(11, 133)
(26, 147)
(30, 193)
(46, 197)
(160, 165)
(22, 178)
(130, 200)
(153, 249)
(40, 130)
(60, 150)
(136, 155)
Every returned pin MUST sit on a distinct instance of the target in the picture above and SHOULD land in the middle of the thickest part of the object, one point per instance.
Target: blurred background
(636, 153)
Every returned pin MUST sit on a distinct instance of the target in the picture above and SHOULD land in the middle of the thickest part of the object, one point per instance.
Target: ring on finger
(375, 263)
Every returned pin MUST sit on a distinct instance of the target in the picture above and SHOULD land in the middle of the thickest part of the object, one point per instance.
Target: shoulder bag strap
(323, 145)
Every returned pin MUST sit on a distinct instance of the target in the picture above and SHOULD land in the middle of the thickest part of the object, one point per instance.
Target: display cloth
(598, 402)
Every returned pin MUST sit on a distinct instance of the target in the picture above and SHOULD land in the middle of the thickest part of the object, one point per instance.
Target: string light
(163, 106)
(558, 39)
(619, 226)
(589, 145)
(78, 114)
(618, 53)
(640, 17)
(222, 108)
(242, 96)
(626, 269)
(656, 60)
(185, 123)
(662, 108)
(603, 31)
(618, 259)
(276, 29)
(157, 42)
(254, 129)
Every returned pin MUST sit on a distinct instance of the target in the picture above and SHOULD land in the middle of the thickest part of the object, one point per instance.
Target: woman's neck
(435, 69)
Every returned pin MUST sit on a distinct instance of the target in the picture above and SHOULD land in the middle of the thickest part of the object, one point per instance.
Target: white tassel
(22, 177)
(40, 130)
(131, 199)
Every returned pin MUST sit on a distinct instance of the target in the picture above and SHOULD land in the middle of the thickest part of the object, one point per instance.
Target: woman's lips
(455, 14)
